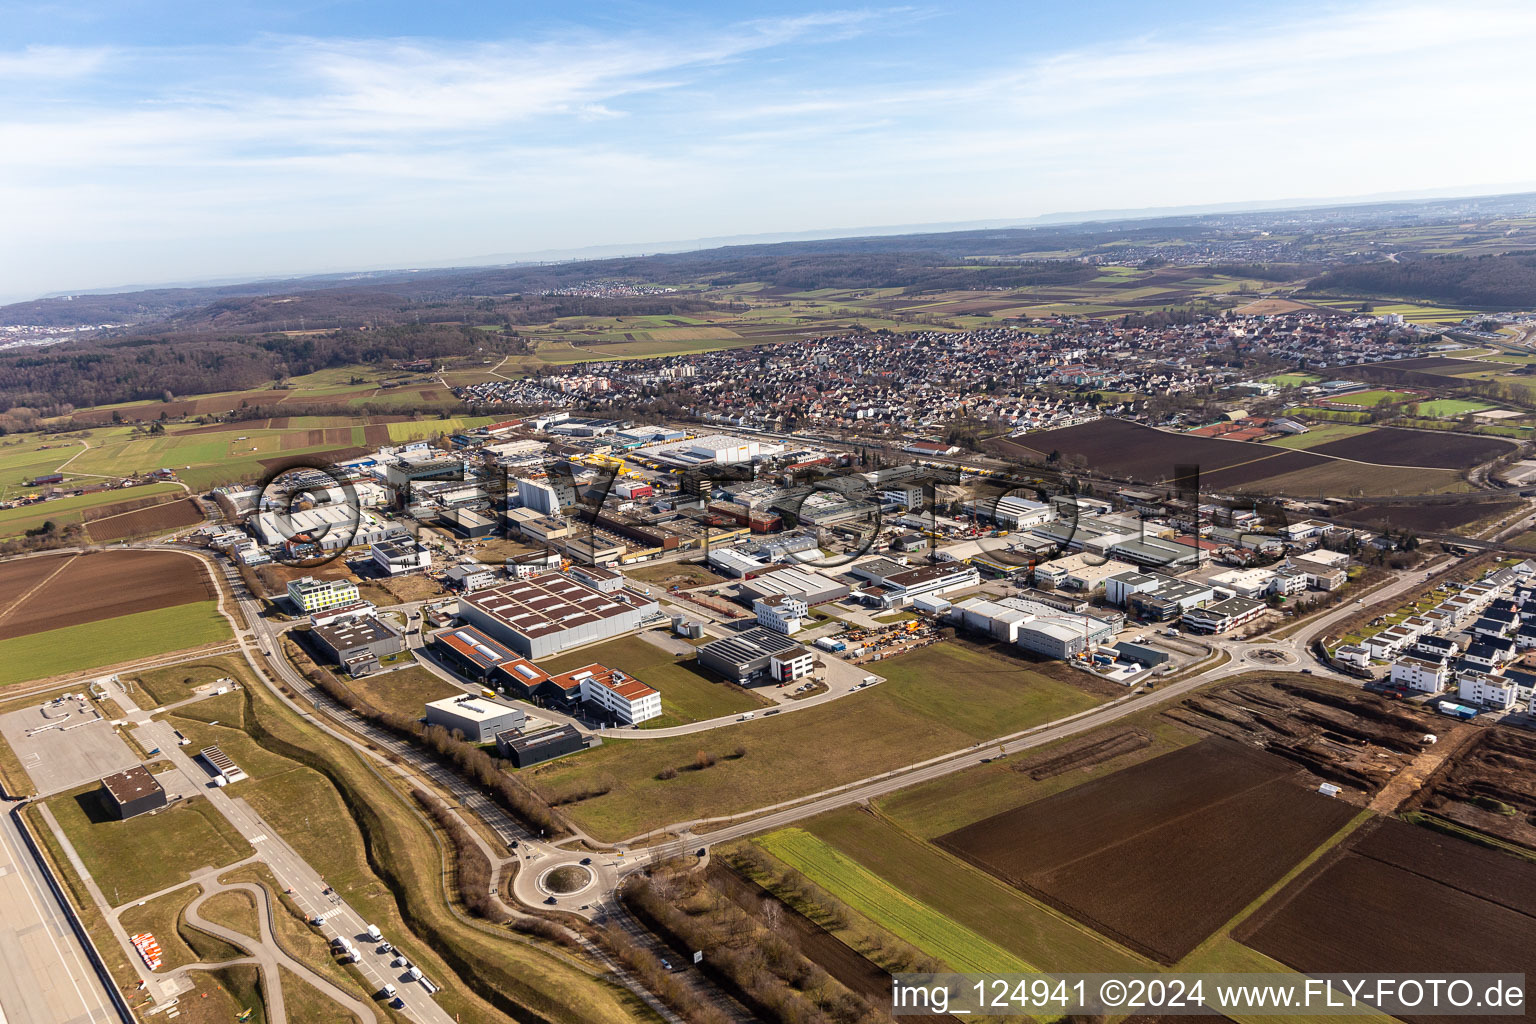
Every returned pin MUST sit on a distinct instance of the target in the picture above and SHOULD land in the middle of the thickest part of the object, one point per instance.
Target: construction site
(1356, 741)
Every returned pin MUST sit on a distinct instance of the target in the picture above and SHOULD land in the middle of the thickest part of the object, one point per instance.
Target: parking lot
(65, 743)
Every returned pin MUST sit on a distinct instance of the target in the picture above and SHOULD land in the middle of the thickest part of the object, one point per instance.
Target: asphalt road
(45, 975)
(1240, 659)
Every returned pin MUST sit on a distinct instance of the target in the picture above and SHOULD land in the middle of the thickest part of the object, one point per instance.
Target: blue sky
(148, 142)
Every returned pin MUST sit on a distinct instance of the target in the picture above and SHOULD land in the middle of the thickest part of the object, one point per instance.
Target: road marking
(10, 855)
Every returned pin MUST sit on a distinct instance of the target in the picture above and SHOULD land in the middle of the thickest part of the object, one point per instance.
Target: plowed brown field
(144, 522)
(1397, 898)
(1160, 855)
(99, 585)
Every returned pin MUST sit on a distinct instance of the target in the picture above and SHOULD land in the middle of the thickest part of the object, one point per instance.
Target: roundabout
(1270, 656)
(566, 880)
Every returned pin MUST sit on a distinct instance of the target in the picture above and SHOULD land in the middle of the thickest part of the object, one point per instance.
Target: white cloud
(446, 149)
(52, 62)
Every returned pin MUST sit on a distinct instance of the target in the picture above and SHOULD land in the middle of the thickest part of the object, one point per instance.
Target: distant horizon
(173, 141)
(1065, 218)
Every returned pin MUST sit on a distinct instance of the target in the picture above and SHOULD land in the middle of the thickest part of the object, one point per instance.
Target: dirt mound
(1085, 754)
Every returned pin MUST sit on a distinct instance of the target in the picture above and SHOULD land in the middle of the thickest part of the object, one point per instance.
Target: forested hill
(88, 373)
(1502, 282)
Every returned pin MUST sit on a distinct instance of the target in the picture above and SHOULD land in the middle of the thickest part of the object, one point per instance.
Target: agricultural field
(1413, 312)
(56, 590)
(1334, 732)
(64, 613)
(66, 511)
(842, 851)
(1490, 788)
(938, 699)
(930, 809)
(1343, 478)
(959, 947)
(110, 641)
(1159, 856)
(1395, 898)
(1129, 451)
(688, 693)
(145, 522)
(1439, 517)
(1419, 448)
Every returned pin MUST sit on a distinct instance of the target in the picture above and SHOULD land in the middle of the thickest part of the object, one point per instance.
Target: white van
(388, 990)
(747, 717)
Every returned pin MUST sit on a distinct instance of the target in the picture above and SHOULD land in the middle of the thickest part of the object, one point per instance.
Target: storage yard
(1159, 856)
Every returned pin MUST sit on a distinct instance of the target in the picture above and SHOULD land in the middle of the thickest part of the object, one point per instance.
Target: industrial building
(544, 615)
(332, 527)
(131, 792)
(358, 644)
(478, 718)
(795, 663)
(468, 523)
(746, 655)
(1080, 571)
(543, 496)
(399, 553)
(898, 589)
(617, 695)
(805, 585)
(780, 613)
(1222, 616)
(519, 677)
(471, 576)
(471, 652)
(711, 450)
(1034, 626)
(528, 748)
(1013, 512)
(421, 464)
(311, 595)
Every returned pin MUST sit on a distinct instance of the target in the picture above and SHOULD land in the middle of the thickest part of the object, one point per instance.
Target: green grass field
(1292, 380)
(180, 943)
(1319, 434)
(1451, 407)
(404, 691)
(936, 700)
(960, 948)
(130, 859)
(688, 694)
(415, 430)
(110, 641)
(968, 896)
(1371, 399)
(16, 521)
